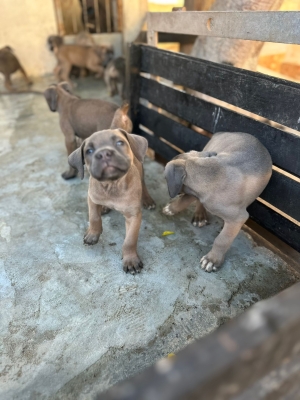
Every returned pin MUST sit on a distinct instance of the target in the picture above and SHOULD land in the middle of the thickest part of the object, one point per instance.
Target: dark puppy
(10, 64)
(114, 160)
(81, 117)
(54, 41)
(114, 77)
(225, 178)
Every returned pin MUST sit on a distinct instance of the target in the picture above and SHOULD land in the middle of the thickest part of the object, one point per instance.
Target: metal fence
(93, 16)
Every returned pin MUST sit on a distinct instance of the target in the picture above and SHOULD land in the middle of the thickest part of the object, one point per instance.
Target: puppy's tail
(121, 119)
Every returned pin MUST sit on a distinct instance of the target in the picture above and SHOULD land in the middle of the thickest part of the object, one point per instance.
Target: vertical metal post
(85, 15)
(108, 15)
(152, 36)
(74, 21)
(59, 17)
(96, 8)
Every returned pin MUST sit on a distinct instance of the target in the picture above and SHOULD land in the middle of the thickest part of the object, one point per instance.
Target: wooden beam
(265, 26)
(227, 362)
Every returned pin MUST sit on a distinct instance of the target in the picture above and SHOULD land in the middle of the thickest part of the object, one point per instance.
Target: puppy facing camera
(114, 160)
(224, 179)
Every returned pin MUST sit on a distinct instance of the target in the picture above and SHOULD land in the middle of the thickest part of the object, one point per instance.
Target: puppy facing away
(114, 160)
(82, 117)
(114, 77)
(10, 64)
(224, 179)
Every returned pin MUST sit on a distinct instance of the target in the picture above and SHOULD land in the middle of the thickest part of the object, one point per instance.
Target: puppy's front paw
(167, 209)
(69, 174)
(211, 263)
(132, 264)
(199, 221)
(90, 238)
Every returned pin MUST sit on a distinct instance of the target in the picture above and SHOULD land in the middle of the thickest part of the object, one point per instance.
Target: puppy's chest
(115, 199)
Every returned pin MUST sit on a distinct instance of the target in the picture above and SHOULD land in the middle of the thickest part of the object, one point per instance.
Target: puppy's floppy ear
(76, 160)
(138, 144)
(175, 175)
(51, 98)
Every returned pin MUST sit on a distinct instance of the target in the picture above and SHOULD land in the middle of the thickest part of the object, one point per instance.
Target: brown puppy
(81, 117)
(10, 64)
(114, 77)
(114, 160)
(78, 56)
(225, 178)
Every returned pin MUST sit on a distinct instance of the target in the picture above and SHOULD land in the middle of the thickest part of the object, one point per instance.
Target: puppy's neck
(64, 98)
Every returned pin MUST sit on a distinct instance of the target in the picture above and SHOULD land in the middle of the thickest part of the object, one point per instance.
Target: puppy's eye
(120, 143)
(89, 151)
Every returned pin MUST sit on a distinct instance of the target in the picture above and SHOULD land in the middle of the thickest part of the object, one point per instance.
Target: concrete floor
(72, 322)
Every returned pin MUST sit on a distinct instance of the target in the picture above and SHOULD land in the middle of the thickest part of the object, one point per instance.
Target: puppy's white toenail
(209, 267)
(195, 223)
(215, 269)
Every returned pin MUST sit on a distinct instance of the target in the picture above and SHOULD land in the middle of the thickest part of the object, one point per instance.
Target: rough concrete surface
(72, 322)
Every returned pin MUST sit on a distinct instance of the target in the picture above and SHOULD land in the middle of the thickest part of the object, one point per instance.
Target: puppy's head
(54, 41)
(52, 93)
(108, 154)
(175, 174)
(121, 119)
(106, 53)
(7, 48)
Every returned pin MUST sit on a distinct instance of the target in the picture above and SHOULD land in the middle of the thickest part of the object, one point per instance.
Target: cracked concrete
(72, 322)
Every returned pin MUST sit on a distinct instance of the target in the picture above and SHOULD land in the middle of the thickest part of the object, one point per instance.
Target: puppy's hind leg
(29, 82)
(180, 203)
(148, 202)
(8, 83)
(200, 217)
(95, 229)
(214, 259)
(71, 145)
(96, 68)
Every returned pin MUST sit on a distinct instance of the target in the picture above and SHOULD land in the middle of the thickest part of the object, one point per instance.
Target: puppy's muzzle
(107, 164)
(105, 154)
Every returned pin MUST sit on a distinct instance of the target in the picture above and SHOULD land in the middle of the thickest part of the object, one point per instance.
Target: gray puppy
(82, 117)
(114, 77)
(225, 178)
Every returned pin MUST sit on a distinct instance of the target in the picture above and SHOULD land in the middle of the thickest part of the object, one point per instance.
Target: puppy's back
(92, 115)
(241, 150)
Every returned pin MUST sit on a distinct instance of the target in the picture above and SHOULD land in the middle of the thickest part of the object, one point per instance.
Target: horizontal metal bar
(265, 26)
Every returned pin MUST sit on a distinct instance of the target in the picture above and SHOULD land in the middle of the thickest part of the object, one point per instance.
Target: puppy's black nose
(106, 154)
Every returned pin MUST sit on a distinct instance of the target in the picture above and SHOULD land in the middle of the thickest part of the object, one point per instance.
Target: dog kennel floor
(72, 322)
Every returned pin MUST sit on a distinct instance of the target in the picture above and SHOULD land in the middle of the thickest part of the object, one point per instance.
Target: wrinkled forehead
(107, 137)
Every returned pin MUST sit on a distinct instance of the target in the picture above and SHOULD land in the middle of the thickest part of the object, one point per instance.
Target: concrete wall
(134, 17)
(25, 25)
